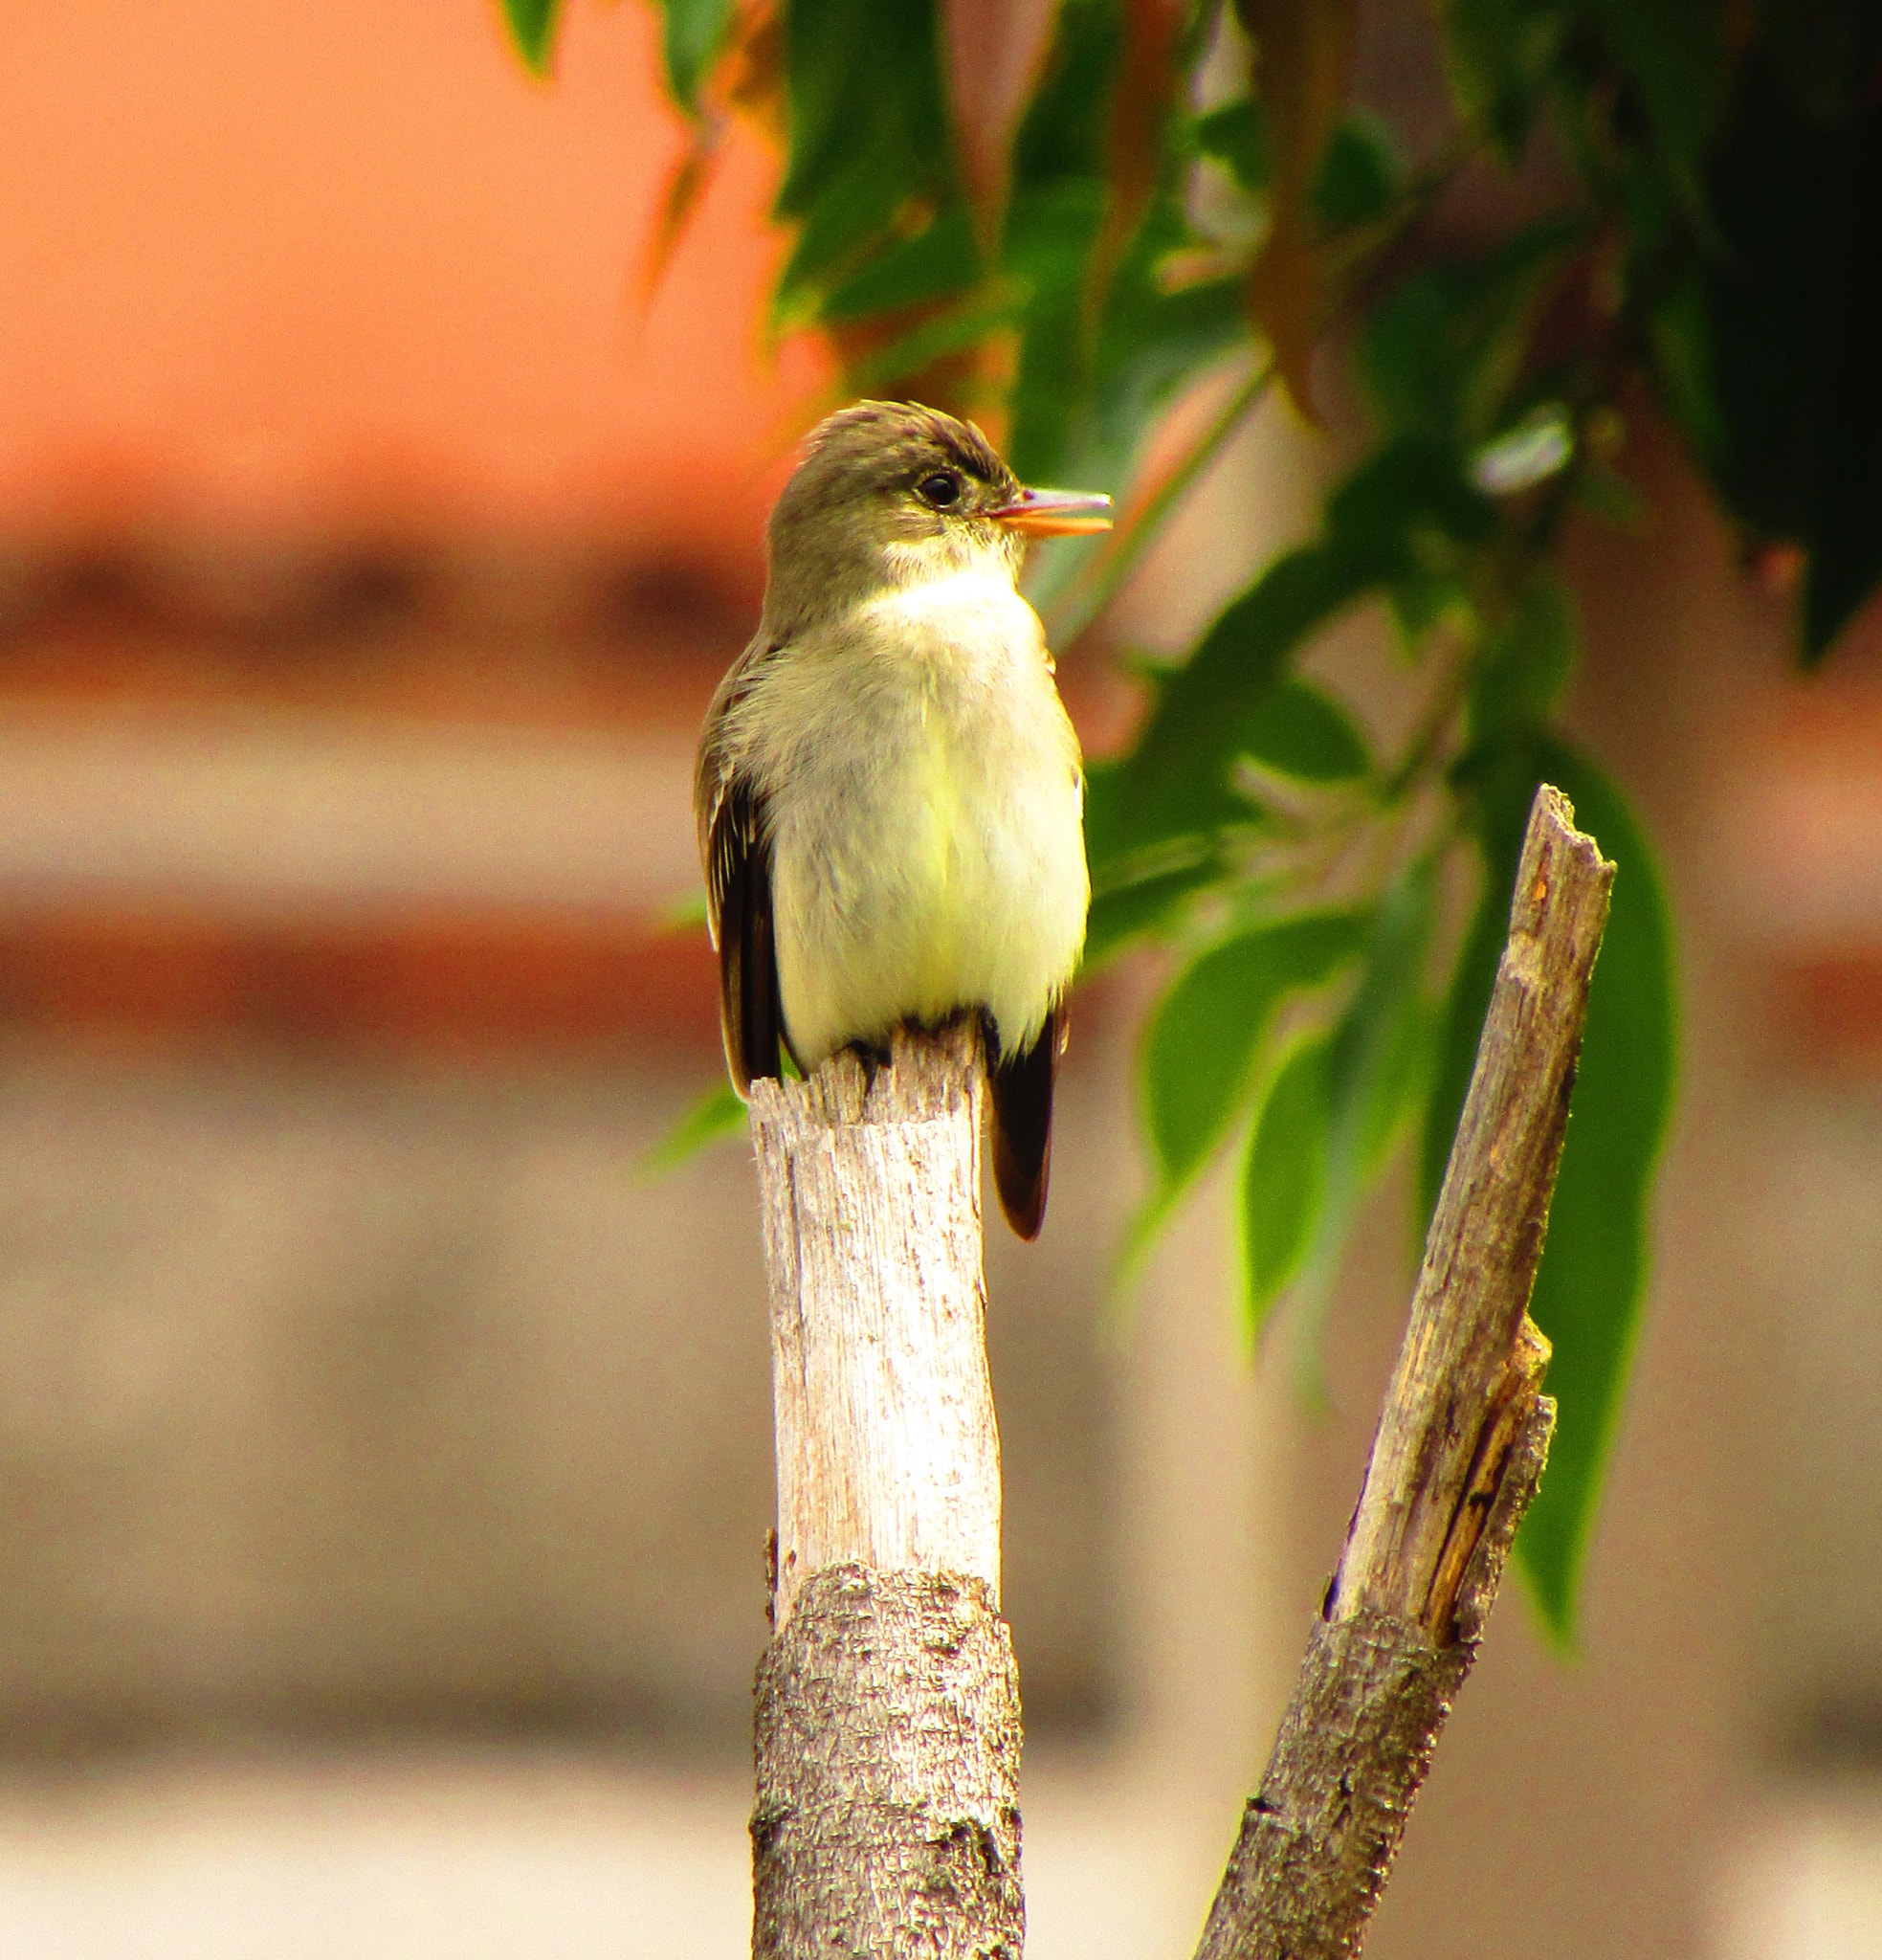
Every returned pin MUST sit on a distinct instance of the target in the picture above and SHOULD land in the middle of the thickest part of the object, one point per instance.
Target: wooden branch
(1455, 1461)
(887, 1725)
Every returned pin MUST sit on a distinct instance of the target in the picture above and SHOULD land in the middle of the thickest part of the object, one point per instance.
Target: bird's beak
(1055, 513)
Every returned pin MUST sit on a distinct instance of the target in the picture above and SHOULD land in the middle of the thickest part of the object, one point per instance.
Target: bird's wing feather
(734, 845)
(749, 1014)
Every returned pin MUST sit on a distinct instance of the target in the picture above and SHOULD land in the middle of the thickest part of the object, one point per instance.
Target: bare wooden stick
(1455, 1461)
(887, 1725)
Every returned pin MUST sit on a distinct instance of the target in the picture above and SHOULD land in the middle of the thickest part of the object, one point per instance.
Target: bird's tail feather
(1022, 1092)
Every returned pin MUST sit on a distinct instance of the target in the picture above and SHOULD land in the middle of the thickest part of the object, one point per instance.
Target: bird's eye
(942, 490)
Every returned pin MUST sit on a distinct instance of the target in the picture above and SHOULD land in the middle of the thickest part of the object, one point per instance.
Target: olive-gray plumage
(889, 792)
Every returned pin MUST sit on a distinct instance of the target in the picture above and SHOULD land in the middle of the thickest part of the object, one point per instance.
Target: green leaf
(532, 25)
(1679, 332)
(717, 1113)
(1379, 1049)
(1055, 215)
(947, 331)
(1403, 498)
(1786, 329)
(1145, 907)
(869, 136)
(1200, 1045)
(1673, 53)
(1594, 1264)
(1236, 134)
(1173, 784)
(1303, 55)
(1190, 820)
(1421, 597)
(1104, 344)
(845, 225)
(1441, 351)
(1377, 1066)
(1527, 658)
(694, 29)
(938, 260)
(1500, 54)
(1301, 733)
(1284, 1180)
(1382, 523)
(1359, 177)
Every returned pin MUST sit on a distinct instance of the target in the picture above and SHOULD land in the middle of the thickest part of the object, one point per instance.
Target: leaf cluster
(1191, 200)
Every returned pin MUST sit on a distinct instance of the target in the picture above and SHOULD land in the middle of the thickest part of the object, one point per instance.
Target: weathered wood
(888, 1743)
(888, 1455)
(1455, 1461)
(887, 1728)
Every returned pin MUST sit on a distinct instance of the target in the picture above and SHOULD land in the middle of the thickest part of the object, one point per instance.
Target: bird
(889, 792)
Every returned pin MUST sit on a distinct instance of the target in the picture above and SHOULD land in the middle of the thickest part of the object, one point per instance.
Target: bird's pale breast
(924, 790)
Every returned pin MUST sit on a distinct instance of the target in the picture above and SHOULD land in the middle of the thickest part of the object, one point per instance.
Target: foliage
(1192, 201)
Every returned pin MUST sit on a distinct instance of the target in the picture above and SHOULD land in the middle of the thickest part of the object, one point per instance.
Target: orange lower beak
(1055, 513)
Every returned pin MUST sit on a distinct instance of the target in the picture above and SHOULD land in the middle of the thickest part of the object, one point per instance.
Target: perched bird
(889, 795)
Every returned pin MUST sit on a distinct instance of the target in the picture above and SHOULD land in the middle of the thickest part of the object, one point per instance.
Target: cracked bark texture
(1455, 1461)
(887, 1731)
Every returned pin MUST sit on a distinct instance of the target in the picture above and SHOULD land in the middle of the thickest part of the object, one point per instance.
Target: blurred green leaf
(1173, 783)
(1673, 54)
(1284, 1180)
(1055, 214)
(870, 138)
(695, 30)
(1201, 1042)
(1235, 134)
(1500, 54)
(1593, 1272)
(1189, 820)
(1786, 328)
(1301, 733)
(949, 330)
(1146, 905)
(1527, 658)
(1105, 345)
(941, 259)
(1611, 497)
(1407, 495)
(1380, 1046)
(532, 25)
(1679, 332)
(1359, 175)
(1441, 351)
(717, 1114)
(1377, 1064)
(1208, 713)
(1421, 597)
(848, 220)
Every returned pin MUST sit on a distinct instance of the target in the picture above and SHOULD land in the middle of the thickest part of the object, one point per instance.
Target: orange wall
(270, 262)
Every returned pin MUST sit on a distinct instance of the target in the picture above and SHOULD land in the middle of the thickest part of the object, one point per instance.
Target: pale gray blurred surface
(348, 1398)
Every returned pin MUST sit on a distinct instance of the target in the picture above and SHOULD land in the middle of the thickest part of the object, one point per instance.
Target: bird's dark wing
(1022, 1092)
(735, 843)
(739, 886)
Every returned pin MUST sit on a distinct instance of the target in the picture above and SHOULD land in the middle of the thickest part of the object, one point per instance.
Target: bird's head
(891, 494)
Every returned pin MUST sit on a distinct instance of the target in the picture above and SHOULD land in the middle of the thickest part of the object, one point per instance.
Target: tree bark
(1454, 1462)
(887, 1730)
